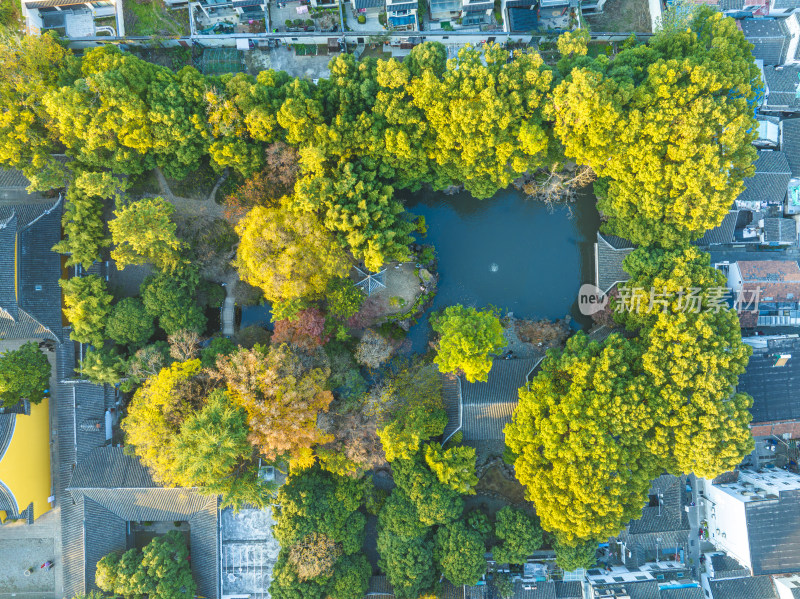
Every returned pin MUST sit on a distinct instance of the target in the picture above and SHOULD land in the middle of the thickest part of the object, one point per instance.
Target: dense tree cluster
(600, 421)
(24, 375)
(162, 569)
(321, 533)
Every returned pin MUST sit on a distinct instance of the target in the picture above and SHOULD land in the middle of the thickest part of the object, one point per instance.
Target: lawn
(151, 17)
(622, 15)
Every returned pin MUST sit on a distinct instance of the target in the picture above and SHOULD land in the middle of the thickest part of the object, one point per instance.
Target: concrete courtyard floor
(29, 546)
(284, 59)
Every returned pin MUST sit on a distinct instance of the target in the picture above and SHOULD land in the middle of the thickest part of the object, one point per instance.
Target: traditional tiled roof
(790, 144)
(379, 587)
(725, 566)
(105, 533)
(781, 85)
(753, 587)
(534, 590)
(608, 262)
(771, 179)
(362, 4)
(30, 297)
(7, 425)
(769, 37)
(637, 590)
(520, 3)
(122, 486)
(780, 230)
(568, 590)
(784, 4)
(721, 234)
(487, 407)
(664, 527)
(75, 403)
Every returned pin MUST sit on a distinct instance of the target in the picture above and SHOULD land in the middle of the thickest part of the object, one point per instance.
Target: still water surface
(515, 254)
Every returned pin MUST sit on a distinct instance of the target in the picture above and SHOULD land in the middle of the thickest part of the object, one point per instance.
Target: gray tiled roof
(780, 230)
(672, 515)
(121, 485)
(725, 566)
(379, 587)
(608, 263)
(637, 590)
(790, 144)
(731, 5)
(690, 593)
(721, 234)
(755, 587)
(30, 297)
(13, 185)
(90, 402)
(362, 4)
(569, 590)
(7, 425)
(535, 590)
(781, 85)
(107, 532)
(659, 529)
(771, 179)
(487, 407)
(769, 38)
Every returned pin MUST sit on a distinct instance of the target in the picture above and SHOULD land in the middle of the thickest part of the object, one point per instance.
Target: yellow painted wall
(25, 468)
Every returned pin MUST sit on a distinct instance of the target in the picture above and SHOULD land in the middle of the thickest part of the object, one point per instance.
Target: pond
(515, 254)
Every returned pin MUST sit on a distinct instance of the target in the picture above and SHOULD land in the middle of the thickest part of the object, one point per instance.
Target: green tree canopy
(572, 558)
(468, 338)
(161, 570)
(24, 374)
(670, 125)
(130, 323)
(454, 467)
(316, 501)
(411, 410)
(31, 66)
(156, 413)
(86, 306)
(435, 502)
(583, 438)
(143, 232)
(102, 366)
(288, 256)
(171, 299)
(460, 554)
(521, 536)
(84, 230)
(212, 452)
(408, 564)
